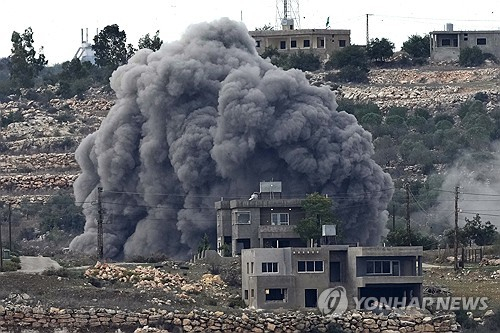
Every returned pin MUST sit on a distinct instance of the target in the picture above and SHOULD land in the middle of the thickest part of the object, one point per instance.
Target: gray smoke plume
(206, 117)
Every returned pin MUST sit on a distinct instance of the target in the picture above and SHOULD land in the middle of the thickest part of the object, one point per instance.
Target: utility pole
(408, 229)
(367, 30)
(100, 247)
(10, 227)
(456, 228)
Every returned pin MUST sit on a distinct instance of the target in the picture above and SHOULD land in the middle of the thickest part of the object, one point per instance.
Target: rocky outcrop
(153, 320)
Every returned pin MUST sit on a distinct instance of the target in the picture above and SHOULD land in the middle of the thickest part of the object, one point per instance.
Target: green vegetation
(61, 213)
(305, 61)
(23, 63)
(154, 44)
(471, 57)
(379, 50)
(318, 211)
(418, 47)
(110, 47)
(352, 61)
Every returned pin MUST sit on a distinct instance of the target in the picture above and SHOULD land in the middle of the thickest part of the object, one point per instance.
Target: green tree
(352, 62)
(305, 61)
(380, 49)
(146, 42)
(24, 65)
(471, 57)
(352, 55)
(110, 47)
(418, 46)
(479, 233)
(318, 211)
(75, 78)
(399, 237)
(60, 212)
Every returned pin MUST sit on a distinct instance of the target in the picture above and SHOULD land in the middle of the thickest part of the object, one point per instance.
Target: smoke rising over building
(206, 117)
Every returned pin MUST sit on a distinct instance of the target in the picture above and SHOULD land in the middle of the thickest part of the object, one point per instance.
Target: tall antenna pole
(285, 9)
(367, 30)
(456, 228)
(100, 247)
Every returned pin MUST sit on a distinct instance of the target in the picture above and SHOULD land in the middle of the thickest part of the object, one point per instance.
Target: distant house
(263, 220)
(321, 42)
(293, 277)
(446, 45)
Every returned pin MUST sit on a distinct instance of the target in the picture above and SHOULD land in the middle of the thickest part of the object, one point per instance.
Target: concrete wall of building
(260, 281)
(322, 42)
(459, 40)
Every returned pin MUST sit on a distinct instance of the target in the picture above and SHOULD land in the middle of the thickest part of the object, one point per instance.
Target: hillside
(40, 131)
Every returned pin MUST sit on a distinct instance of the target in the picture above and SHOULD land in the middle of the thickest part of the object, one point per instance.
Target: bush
(304, 61)
(471, 57)
(353, 74)
(10, 266)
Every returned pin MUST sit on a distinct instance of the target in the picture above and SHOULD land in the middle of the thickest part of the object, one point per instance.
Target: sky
(57, 24)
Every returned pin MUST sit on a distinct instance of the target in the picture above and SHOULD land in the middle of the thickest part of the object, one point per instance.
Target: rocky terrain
(38, 144)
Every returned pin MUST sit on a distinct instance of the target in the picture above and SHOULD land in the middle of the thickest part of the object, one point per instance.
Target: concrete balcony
(362, 281)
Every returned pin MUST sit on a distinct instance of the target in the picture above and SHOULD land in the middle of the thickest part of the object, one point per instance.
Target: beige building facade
(274, 278)
(321, 42)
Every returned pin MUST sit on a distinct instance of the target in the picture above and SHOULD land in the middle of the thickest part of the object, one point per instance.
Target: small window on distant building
(276, 294)
(481, 41)
(445, 42)
(257, 43)
(248, 268)
(242, 217)
(252, 292)
(269, 267)
(466, 38)
(310, 266)
(251, 267)
(246, 294)
(293, 44)
(279, 219)
(322, 42)
(382, 267)
(342, 42)
(283, 45)
(307, 43)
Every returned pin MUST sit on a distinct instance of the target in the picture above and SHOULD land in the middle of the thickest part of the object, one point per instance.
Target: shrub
(353, 74)
(471, 57)
(10, 266)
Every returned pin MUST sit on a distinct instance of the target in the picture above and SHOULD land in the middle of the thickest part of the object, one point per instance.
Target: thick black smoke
(205, 117)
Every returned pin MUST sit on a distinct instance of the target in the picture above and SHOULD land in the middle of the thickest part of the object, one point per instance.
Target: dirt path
(37, 264)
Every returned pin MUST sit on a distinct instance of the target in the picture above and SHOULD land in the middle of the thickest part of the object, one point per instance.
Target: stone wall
(151, 320)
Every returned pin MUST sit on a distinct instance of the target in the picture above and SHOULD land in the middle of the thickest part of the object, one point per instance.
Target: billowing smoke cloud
(476, 175)
(203, 118)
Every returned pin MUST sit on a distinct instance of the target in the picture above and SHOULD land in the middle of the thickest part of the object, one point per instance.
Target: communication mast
(287, 14)
(85, 52)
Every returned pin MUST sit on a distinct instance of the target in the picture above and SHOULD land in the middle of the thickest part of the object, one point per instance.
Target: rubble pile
(152, 278)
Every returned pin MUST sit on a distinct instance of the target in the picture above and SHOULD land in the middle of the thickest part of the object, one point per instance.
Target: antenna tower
(287, 10)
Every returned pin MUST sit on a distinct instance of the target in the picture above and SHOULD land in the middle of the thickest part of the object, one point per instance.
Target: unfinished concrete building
(265, 220)
(292, 277)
